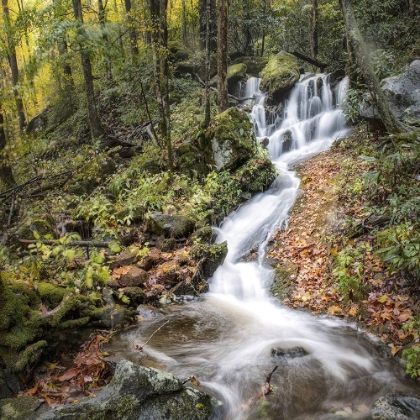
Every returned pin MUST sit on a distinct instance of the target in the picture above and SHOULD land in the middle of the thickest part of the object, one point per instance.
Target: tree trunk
(102, 22)
(203, 24)
(184, 24)
(6, 174)
(11, 55)
(392, 125)
(131, 29)
(94, 121)
(314, 30)
(159, 34)
(207, 105)
(222, 56)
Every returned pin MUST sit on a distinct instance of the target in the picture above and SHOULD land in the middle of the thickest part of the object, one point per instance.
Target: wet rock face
(140, 393)
(396, 407)
(292, 353)
(403, 94)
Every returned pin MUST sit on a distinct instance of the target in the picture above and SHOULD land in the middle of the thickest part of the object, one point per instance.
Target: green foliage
(351, 105)
(411, 355)
(348, 267)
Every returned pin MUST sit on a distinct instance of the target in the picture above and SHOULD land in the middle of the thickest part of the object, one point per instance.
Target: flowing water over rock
(233, 336)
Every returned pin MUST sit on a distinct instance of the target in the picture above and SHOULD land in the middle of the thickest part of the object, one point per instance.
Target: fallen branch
(140, 348)
(71, 243)
(309, 60)
(51, 313)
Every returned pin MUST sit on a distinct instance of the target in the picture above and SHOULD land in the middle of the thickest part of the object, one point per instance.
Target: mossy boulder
(256, 175)
(254, 65)
(50, 294)
(170, 225)
(22, 408)
(210, 257)
(279, 75)
(232, 139)
(140, 393)
(236, 73)
(178, 51)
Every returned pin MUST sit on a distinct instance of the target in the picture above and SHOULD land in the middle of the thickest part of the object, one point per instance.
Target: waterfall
(226, 338)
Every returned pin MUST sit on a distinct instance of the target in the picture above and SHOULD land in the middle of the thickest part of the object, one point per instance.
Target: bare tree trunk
(94, 121)
(11, 55)
(207, 105)
(314, 30)
(392, 125)
(213, 20)
(131, 29)
(184, 24)
(6, 174)
(222, 56)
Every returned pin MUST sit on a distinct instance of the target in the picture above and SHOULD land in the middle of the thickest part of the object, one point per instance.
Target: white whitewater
(225, 339)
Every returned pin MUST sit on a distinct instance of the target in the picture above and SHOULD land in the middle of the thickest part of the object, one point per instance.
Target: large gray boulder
(232, 139)
(140, 393)
(403, 94)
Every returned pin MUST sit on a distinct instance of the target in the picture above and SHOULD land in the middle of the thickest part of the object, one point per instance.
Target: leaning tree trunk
(222, 85)
(94, 121)
(11, 55)
(131, 30)
(391, 123)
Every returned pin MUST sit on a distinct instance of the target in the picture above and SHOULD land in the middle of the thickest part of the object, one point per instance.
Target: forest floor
(325, 268)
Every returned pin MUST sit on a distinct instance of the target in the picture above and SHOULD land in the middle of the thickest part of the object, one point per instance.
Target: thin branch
(140, 348)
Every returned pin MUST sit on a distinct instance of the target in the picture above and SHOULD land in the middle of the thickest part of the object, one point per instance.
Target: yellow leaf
(383, 299)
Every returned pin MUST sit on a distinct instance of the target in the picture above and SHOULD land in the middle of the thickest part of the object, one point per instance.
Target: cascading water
(225, 339)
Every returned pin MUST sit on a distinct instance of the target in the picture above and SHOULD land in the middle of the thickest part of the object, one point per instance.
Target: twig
(12, 209)
(140, 348)
(51, 313)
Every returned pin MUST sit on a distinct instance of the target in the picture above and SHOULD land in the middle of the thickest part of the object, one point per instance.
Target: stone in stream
(291, 353)
(396, 407)
(141, 393)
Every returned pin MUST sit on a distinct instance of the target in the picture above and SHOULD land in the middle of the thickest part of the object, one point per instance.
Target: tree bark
(102, 22)
(158, 13)
(314, 30)
(207, 83)
(94, 121)
(392, 125)
(11, 55)
(203, 24)
(132, 30)
(222, 56)
(6, 173)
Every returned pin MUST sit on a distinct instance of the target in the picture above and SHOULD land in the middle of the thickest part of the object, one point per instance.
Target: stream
(225, 338)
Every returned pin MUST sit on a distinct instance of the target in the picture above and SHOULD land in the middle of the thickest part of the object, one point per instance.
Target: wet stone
(291, 353)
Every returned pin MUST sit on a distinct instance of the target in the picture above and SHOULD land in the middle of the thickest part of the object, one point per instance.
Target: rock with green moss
(23, 408)
(210, 257)
(232, 139)
(140, 393)
(50, 294)
(236, 73)
(256, 175)
(170, 225)
(254, 65)
(279, 75)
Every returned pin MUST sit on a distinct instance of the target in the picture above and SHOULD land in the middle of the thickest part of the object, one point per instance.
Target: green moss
(42, 227)
(30, 356)
(256, 175)
(280, 74)
(254, 65)
(282, 283)
(235, 73)
(232, 139)
(21, 408)
(51, 294)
